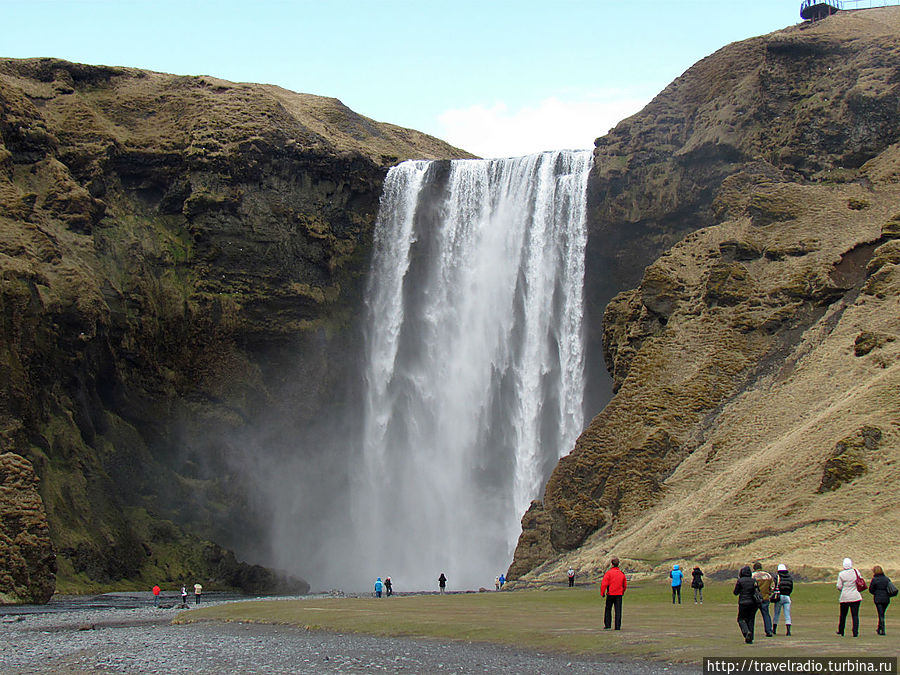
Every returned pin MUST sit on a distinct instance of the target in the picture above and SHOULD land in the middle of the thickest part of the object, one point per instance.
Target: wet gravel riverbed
(143, 640)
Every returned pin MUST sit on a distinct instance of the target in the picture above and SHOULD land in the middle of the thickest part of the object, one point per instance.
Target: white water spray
(475, 361)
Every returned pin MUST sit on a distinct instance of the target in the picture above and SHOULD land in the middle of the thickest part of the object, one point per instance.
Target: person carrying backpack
(781, 598)
(882, 590)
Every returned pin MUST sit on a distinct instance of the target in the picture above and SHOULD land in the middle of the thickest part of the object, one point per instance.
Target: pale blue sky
(499, 77)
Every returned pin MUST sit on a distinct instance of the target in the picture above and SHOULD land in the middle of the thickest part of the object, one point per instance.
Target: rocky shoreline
(143, 640)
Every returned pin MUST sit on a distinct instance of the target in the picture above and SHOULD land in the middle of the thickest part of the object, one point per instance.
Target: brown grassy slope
(758, 362)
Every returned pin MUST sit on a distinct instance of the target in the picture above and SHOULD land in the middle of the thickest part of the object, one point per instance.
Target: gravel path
(143, 640)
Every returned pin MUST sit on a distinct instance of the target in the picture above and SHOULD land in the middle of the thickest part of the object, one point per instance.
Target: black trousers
(880, 607)
(676, 590)
(854, 613)
(747, 619)
(613, 601)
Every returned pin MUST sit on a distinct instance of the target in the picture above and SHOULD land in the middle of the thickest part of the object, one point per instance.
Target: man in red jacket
(613, 587)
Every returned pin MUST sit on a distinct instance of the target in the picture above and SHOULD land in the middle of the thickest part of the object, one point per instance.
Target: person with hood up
(677, 576)
(388, 587)
(379, 585)
(784, 586)
(697, 583)
(745, 588)
(613, 586)
(156, 592)
(882, 590)
(442, 583)
(850, 597)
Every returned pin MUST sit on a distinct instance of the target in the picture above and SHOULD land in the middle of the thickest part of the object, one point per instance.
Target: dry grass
(571, 621)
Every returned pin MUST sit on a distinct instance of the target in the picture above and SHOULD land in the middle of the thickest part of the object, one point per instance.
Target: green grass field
(571, 620)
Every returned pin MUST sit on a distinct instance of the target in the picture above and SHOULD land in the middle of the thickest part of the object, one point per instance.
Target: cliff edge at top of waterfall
(204, 115)
(756, 366)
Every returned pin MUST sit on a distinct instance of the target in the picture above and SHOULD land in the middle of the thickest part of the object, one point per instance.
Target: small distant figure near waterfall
(379, 585)
(571, 575)
(697, 583)
(677, 576)
(198, 589)
(442, 582)
(388, 587)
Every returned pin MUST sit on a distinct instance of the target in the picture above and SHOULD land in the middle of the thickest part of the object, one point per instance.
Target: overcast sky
(495, 77)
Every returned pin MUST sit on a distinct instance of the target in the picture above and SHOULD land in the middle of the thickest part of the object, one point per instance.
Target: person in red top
(156, 596)
(613, 587)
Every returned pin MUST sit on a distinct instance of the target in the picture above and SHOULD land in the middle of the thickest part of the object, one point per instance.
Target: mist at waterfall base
(473, 380)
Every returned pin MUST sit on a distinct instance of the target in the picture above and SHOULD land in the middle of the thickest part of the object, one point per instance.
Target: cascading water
(475, 360)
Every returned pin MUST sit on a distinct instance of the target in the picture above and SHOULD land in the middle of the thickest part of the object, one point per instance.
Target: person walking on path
(571, 575)
(882, 590)
(183, 596)
(613, 586)
(156, 596)
(378, 586)
(497, 583)
(850, 596)
(765, 582)
(442, 582)
(784, 586)
(502, 581)
(697, 583)
(677, 577)
(388, 587)
(198, 589)
(745, 588)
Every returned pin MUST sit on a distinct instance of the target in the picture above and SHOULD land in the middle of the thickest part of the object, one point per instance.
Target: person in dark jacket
(442, 582)
(878, 587)
(697, 583)
(784, 586)
(744, 588)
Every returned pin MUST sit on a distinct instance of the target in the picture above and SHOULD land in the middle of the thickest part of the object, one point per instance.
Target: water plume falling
(475, 360)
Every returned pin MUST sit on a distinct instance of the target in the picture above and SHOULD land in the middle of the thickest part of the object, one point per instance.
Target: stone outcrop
(182, 258)
(27, 561)
(753, 204)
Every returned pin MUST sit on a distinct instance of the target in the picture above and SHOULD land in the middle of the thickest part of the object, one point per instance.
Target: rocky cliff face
(181, 259)
(754, 204)
(27, 561)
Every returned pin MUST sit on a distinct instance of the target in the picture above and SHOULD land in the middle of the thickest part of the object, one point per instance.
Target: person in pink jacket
(850, 597)
(613, 587)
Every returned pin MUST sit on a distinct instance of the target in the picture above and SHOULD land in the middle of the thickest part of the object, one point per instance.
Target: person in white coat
(850, 597)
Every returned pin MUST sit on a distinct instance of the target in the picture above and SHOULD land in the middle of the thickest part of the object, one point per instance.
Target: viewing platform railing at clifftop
(813, 10)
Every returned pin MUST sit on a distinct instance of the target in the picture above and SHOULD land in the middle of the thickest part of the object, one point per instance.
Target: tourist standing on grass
(613, 586)
(765, 582)
(745, 588)
(850, 596)
(784, 586)
(156, 596)
(677, 577)
(697, 583)
(379, 585)
(442, 582)
(882, 590)
(571, 575)
(388, 587)
(198, 589)
(497, 583)
(502, 581)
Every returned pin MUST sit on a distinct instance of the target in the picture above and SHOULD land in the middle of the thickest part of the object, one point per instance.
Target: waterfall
(474, 363)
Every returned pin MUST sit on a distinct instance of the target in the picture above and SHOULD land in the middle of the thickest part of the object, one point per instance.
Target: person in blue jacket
(677, 576)
(378, 587)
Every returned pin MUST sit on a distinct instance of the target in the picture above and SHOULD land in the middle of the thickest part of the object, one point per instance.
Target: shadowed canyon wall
(181, 268)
